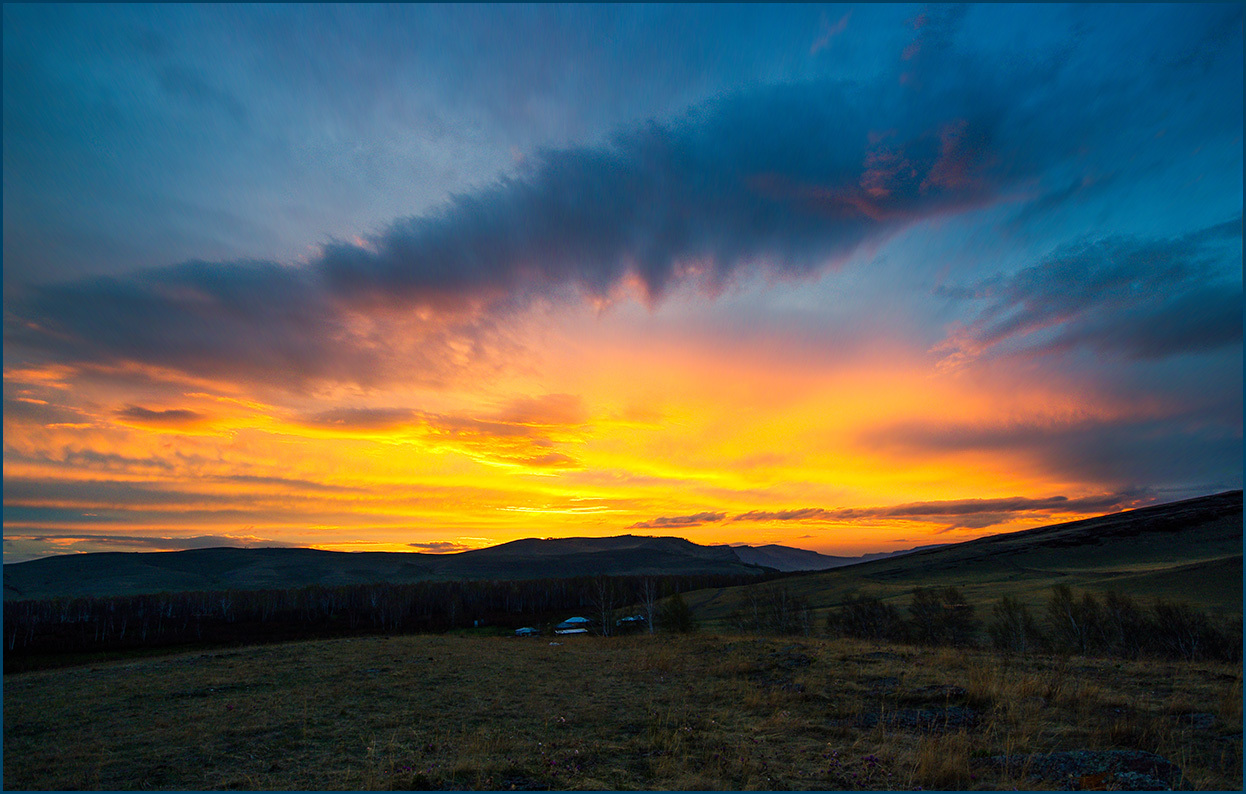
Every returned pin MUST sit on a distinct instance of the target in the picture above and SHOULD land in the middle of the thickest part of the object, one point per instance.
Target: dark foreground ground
(699, 712)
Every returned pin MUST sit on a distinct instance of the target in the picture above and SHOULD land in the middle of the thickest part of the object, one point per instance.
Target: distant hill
(786, 558)
(131, 573)
(1186, 551)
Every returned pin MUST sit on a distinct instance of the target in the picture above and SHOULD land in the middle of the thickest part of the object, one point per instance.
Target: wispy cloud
(952, 514)
(22, 547)
(170, 417)
(668, 522)
(1205, 441)
(441, 547)
(526, 431)
(1140, 298)
(829, 32)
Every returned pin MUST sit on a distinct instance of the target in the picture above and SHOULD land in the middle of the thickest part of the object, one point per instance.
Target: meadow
(699, 711)
(1187, 551)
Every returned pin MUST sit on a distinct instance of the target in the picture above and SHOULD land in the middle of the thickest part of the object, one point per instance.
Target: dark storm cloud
(253, 320)
(1141, 298)
(791, 178)
(667, 522)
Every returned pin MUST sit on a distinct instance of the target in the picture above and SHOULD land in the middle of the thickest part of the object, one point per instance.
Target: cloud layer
(790, 179)
(1141, 298)
(953, 514)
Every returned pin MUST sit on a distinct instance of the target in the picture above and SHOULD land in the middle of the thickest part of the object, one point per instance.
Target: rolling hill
(1189, 550)
(1186, 551)
(786, 558)
(132, 573)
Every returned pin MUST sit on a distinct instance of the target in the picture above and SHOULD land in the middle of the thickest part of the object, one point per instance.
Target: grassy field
(1188, 551)
(644, 712)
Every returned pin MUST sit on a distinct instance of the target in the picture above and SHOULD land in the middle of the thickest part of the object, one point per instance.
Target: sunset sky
(847, 278)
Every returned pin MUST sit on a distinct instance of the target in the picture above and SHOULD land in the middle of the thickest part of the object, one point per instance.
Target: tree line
(90, 624)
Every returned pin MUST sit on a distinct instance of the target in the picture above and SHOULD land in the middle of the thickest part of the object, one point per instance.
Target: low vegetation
(676, 711)
(943, 669)
(1115, 625)
(1187, 551)
(39, 633)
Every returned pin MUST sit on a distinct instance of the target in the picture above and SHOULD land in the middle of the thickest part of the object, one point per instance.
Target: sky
(431, 278)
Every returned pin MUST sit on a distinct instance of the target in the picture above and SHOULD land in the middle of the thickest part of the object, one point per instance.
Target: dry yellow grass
(700, 712)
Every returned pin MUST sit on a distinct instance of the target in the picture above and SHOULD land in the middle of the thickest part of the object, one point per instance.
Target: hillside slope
(1189, 551)
(122, 573)
(786, 558)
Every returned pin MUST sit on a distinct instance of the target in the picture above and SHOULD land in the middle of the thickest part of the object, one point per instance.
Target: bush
(867, 618)
(774, 609)
(675, 615)
(1076, 624)
(942, 617)
(1181, 631)
(1013, 629)
(1118, 626)
(1126, 630)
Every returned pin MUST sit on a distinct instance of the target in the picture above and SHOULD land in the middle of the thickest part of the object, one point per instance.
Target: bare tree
(649, 601)
(604, 598)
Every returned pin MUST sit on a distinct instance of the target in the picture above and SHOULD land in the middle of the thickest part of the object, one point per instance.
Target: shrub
(1076, 624)
(675, 615)
(942, 617)
(774, 609)
(1182, 631)
(1013, 629)
(1126, 630)
(867, 618)
(1118, 626)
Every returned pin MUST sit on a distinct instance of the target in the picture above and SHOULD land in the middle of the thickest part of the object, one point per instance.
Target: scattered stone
(1091, 770)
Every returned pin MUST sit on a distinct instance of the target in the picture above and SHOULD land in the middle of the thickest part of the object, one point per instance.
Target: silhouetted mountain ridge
(787, 558)
(227, 568)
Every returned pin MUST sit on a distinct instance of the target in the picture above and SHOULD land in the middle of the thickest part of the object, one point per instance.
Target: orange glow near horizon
(589, 434)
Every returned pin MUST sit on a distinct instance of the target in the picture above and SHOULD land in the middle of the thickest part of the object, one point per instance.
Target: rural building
(573, 626)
